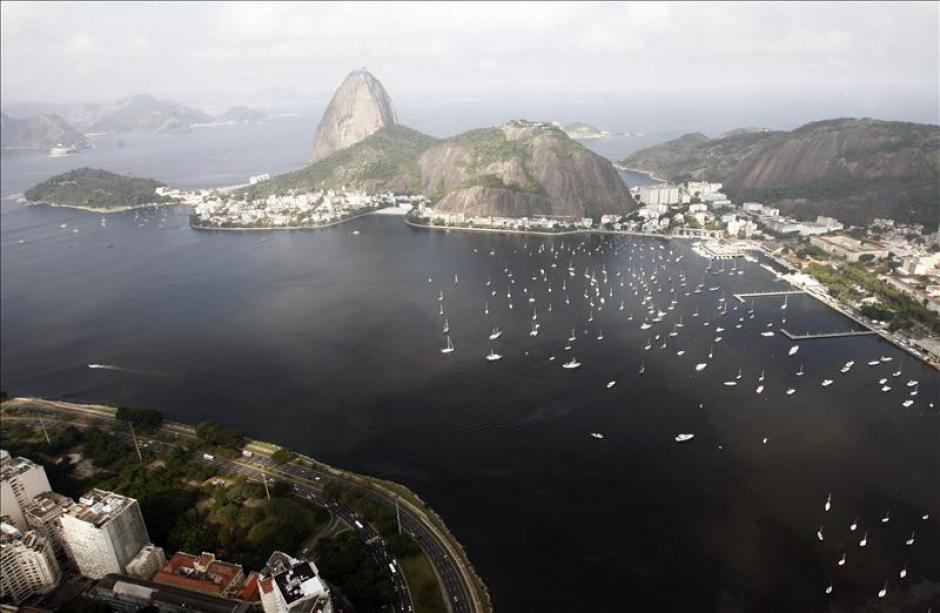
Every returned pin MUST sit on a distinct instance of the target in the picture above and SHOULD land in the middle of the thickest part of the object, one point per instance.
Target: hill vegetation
(853, 169)
(98, 190)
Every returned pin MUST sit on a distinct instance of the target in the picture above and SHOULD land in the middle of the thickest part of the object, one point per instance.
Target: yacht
(761, 377)
(767, 333)
(597, 435)
(799, 373)
(794, 349)
(828, 504)
(492, 356)
(791, 391)
(907, 403)
(571, 364)
(760, 389)
(448, 346)
(683, 437)
(611, 383)
(874, 362)
(731, 383)
(446, 327)
(826, 382)
(701, 365)
(642, 367)
(495, 334)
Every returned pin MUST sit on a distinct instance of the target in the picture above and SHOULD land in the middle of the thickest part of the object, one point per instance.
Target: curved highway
(453, 577)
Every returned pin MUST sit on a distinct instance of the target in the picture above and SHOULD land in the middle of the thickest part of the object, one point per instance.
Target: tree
(283, 455)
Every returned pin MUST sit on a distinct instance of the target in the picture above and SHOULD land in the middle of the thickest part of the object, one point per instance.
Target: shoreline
(276, 228)
(640, 171)
(477, 591)
(542, 233)
(123, 209)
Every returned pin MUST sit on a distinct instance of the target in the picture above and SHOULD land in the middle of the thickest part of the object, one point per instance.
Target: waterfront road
(459, 593)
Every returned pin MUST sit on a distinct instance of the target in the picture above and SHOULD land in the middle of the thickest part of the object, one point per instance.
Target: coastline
(640, 171)
(123, 209)
(274, 229)
(391, 491)
(541, 233)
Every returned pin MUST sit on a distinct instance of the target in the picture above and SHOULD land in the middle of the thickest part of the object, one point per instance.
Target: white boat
(826, 382)
(886, 518)
(828, 504)
(819, 533)
(571, 364)
(495, 334)
(642, 367)
(760, 388)
(854, 525)
(492, 356)
(701, 365)
(874, 362)
(794, 349)
(912, 383)
(455, 279)
(791, 391)
(907, 403)
(841, 561)
(446, 327)
(910, 541)
(799, 373)
(731, 383)
(611, 383)
(684, 436)
(761, 377)
(885, 388)
(767, 333)
(597, 435)
(864, 541)
(448, 347)
(883, 591)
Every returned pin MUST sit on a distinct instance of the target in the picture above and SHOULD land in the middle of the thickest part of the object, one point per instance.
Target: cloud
(73, 51)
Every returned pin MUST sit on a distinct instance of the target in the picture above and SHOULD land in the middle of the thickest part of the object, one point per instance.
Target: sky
(719, 63)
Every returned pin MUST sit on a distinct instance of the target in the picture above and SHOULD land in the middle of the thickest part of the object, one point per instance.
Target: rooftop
(202, 573)
(98, 507)
(298, 582)
(46, 502)
(11, 467)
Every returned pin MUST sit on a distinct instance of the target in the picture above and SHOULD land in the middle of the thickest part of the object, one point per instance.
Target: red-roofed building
(202, 573)
(249, 591)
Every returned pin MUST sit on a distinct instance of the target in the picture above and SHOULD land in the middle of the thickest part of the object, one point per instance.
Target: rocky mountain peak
(359, 108)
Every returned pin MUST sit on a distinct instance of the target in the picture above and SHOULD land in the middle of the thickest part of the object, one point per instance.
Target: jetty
(743, 297)
(814, 335)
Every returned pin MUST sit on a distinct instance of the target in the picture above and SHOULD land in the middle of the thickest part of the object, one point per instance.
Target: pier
(815, 335)
(743, 297)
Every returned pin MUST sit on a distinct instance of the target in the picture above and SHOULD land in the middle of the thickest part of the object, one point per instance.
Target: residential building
(202, 573)
(660, 193)
(27, 563)
(21, 480)
(289, 585)
(103, 531)
(42, 515)
(847, 247)
(129, 595)
(148, 561)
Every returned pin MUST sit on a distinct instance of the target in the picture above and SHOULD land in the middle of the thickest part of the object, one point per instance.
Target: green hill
(98, 190)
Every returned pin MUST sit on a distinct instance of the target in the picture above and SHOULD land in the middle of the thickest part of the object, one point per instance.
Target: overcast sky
(885, 55)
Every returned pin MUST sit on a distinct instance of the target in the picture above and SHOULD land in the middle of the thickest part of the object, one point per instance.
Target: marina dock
(743, 297)
(814, 335)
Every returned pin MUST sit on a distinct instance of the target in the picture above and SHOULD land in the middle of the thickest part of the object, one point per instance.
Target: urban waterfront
(329, 342)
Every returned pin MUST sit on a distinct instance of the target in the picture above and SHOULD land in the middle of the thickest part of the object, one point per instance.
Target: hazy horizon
(625, 67)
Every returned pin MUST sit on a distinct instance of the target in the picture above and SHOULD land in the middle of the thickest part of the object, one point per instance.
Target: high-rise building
(27, 563)
(42, 515)
(289, 585)
(20, 481)
(103, 531)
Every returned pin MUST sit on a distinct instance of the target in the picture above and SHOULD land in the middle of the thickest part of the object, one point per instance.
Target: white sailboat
(448, 346)
(492, 356)
(684, 436)
(496, 333)
(571, 364)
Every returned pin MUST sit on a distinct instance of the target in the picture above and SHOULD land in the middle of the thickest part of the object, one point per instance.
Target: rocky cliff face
(520, 169)
(855, 169)
(359, 108)
(38, 132)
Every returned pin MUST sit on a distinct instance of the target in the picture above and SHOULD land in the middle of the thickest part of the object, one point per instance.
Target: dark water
(329, 343)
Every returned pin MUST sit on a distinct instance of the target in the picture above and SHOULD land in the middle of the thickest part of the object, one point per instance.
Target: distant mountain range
(38, 132)
(518, 169)
(45, 126)
(852, 169)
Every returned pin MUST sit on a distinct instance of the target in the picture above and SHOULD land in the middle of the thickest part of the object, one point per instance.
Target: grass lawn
(422, 582)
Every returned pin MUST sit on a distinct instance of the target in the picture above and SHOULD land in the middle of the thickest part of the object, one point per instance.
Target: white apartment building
(291, 585)
(661, 193)
(42, 515)
(21, 480)
(27, 564)
(103, 532)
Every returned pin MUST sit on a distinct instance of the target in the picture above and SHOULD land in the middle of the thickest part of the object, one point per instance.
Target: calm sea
(329, 342)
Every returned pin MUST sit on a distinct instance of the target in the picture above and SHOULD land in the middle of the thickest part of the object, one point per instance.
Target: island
(100, 191)
(583, 131)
